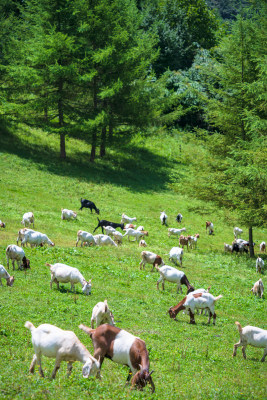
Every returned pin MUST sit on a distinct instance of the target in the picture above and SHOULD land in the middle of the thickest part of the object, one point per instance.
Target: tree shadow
(134, 167)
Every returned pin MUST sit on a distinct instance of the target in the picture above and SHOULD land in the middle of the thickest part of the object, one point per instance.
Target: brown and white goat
(150, 258)
(123, 348)
(183, 241)
(2, 224)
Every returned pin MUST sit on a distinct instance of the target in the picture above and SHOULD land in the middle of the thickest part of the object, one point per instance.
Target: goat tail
(239, 327)
(218, 297)
(29, 325)
(86, 329)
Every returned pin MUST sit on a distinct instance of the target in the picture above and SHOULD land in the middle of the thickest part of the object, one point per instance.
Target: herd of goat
(109, 340)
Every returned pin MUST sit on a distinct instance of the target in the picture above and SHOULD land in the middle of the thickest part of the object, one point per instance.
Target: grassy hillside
(189, 361)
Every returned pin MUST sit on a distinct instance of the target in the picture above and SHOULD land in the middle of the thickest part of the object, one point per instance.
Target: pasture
(189, 361)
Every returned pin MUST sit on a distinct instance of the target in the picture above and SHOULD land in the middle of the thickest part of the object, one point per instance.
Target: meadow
(189, 361)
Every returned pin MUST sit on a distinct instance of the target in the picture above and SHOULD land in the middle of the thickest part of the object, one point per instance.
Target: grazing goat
(5, 275)
(150, 258)
(104, 222)
(2, 224)
(89, 204)
(263, 247)
(68, 214)
(163, 217)
(228, 247)
(104, 240)
(142, 243)
(179, 218)
(175, 232)
(192, 301)
(176, 255)
(36, 239)
(136, 234)
(125, 219)
(21, 234)
(210, 226)
(237, 232)
(123, 348)
(109, 230)
(16, 253)
(85, 237)
(258, 288)
(253, 336)
(62, 273)
(28, 219)
(53, 342)
(259, 265)
(183, 241)
(171, 274)
(117, 237)
(101, 314)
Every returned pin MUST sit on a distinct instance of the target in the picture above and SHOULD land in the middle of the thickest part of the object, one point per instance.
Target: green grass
(189, 361)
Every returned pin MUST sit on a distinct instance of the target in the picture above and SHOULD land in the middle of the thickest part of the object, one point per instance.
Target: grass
(189, 361)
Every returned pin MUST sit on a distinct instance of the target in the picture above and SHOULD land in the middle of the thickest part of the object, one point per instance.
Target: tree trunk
(110, 131)
(93, 148)
(61, 120)
(103, 142)
(94, 136)
(251, 247)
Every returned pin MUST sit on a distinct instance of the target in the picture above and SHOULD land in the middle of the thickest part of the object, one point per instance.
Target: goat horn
(141, 368)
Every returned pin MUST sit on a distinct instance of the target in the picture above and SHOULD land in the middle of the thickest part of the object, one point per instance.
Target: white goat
(142, 243)
(21, 234)
(109, 230)
(237, 232)
(68, 214)
(117, 237)
(263, 247)
(171, 274)
(36, 239)
(64, 273)
(175, 232)
(258, 288)
(163, 217)
(136, 234)
(53, 342)
(176, 255)
(125, 219)
(192, 241)
(85, 237)
(16, 253)
(104, 240)
(150, 258)
(5, 275)
(101, 314)
(253, 336)
(259, 265)
(28, 219)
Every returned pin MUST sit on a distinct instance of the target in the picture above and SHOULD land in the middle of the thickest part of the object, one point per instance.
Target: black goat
(89, 204)
(104, 222)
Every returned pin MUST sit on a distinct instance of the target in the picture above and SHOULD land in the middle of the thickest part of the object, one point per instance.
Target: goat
(21, 234)
(210, 226)
(129, 226)
(109, 230)
(259, 265)
(136, 234)
(126, 219)
(192, 241)
(253, 336)
(163, 217)
(101, 314)
(28, 219)
(228, 247)
(239, 247)
(68, 214)
(142, 243)
(16, 253)
(140, 228)
(237, 232)
(258, 288)
(104, 240)
(64, 273)
(104, 222)
(89, 204)
(117, 237)
(176, 255)
(85, 237)
(36, 239)
(53, 342)
(5, 275)
(171, 274)
(179, 218)
(263, 247)
(183, 241)
(2, 224)
(123, 348)
(194, 301)
(200, 291)
(175, 232)
(150, 258)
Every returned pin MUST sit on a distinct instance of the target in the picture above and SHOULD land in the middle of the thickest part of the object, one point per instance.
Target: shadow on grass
(134, 167)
